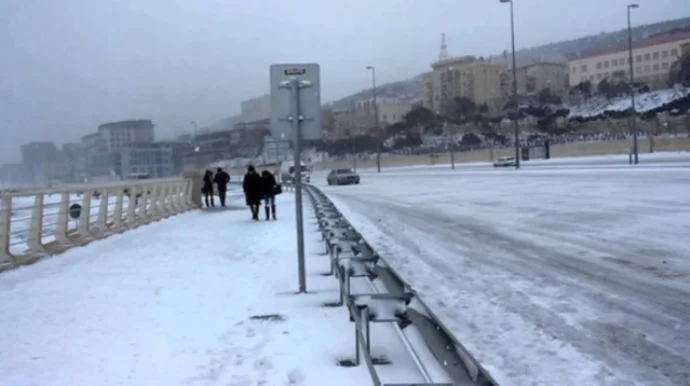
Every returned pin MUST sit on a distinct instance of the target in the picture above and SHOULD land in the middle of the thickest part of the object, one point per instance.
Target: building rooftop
(653, 41)
(134, 123)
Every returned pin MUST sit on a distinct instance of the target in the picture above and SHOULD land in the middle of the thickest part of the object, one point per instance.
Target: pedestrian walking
(271, 189)
(207, 189)
(221, 179)
(253, 187)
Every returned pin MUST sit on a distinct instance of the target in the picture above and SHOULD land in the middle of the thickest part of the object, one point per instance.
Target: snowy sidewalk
(186, 301)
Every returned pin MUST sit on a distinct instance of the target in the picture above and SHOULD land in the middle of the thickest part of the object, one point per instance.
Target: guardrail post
(167, 192)
(118, 226)
(146, 203)
(84, 223)
(62, 226)
(178, 198)
(155, 203)
(160, 201)
(169, 198)
(102, 220)
(189, 203)
(132, 208)
(140, 204)
(196, 180)
(35, 236)
(6, 257)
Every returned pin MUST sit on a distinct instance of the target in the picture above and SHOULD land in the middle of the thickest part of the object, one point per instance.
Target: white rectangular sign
(309, 101)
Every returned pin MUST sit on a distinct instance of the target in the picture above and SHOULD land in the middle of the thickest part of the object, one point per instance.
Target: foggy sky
(68, 65)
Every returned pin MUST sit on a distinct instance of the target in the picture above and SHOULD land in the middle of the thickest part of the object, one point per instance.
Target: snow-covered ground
(572, 276)
(180, 302)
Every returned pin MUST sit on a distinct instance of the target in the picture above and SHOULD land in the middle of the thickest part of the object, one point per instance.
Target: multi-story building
(390, 111)
(256, 109)
(117, 135)
(652, 59)
(428, 92)
(479, 80)
(76, 161)
(327, 123)
(40, 162)
(37, 153)
(539, 76)
(343, 124)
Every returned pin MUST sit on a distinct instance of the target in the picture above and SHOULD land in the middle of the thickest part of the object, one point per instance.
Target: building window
(606, 64)
(574, 70)
(583, 68)
(674, 52)
(638, 58)
(655, 67)
(599, 76)
(664, 54)
(598, 65)
(647, 57)
(647, 69)
(656, 56)
(614, 63)
(664, 66)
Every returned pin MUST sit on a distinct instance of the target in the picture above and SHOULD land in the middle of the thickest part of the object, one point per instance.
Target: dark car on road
(342, 177)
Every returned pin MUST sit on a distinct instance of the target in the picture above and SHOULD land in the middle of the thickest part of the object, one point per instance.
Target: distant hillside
(605, 40)
(554, 52)
(410, 88)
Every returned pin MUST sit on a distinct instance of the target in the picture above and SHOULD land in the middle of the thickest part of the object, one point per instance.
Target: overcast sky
(68, 65)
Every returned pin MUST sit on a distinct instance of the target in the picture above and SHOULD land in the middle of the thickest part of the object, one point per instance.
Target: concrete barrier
(40, 222)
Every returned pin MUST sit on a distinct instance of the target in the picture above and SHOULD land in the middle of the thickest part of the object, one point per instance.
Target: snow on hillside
(643, 103)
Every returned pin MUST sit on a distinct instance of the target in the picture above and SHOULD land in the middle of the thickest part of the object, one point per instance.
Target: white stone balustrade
(36, 223)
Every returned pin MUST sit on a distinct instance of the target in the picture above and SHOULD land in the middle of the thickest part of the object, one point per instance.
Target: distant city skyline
(74, 64)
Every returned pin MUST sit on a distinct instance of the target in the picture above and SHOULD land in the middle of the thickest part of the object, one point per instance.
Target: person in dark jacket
(270, 186)
(253, 191)
(207, 188)
(221, 179)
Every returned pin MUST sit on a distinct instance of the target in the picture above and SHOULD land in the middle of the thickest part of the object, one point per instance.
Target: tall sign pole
(297, 117)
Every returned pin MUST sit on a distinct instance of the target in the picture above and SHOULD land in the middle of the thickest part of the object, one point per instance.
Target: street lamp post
(354, 156)
(632, 122)
(376, 113)
(515, 96)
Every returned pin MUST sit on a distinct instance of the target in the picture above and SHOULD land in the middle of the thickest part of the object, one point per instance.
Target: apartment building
(390, 111)
(38, 153)
(256, 109)
(118, 135)
(652, 58)
(539, 76)
(479, 80)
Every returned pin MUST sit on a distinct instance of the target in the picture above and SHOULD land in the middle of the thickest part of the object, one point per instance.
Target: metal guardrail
(352, 257)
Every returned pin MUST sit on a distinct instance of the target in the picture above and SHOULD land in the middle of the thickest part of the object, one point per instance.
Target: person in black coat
(270, 188)
(253, 191)
(221, 179)
(207, 188)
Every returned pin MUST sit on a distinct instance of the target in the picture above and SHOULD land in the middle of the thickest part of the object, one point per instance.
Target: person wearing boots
(207, 188)
(221, 179)
(253, 187)
(270, 186)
